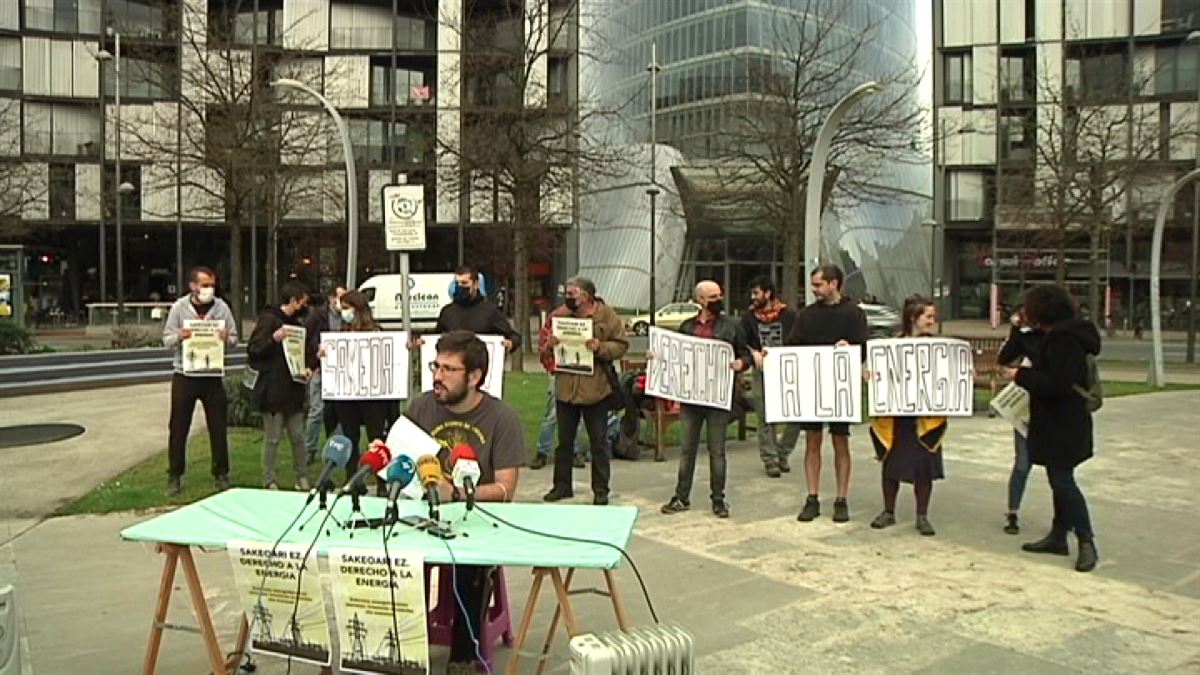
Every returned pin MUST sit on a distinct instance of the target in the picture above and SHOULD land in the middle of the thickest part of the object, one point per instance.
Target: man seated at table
(459, 411)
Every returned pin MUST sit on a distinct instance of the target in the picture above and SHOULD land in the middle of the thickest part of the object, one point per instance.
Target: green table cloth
(262, 515)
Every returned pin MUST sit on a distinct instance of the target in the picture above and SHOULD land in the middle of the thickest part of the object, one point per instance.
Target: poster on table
(920, 376)
(204, 350)
(380, 610)
(293, 351)
(492, 384)
(1012, 405)
(406, 438)
(571, 354)
(813, 384)
(689, 369)
(285, 608)
(356, 366)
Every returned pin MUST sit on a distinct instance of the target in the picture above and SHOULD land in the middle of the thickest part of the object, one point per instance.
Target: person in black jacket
(281, 398)
(1020, 348)
(712, 323)
(765, 325)
(1060, 424)
(834, 319)
(471, 311)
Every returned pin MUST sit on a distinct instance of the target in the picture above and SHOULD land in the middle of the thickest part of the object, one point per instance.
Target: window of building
(964, 195)
(142, 18)
(131, 202)
(62, 16)
(1180, 15)
(1017, 78)
(1176, 69)
(957, 77)
(143, 78)
(10, 63)
(62, 191)
(559, 80)
(61, 129)
(408, 85)
(1097, 73)
(1017, 136)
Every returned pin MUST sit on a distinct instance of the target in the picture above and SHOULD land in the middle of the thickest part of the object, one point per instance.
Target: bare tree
(239, 150)
(1090, 147)
(522, 142)
(23, 186)
(817, 53)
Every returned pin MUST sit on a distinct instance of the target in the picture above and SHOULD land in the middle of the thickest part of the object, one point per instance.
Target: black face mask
(572, 303)
(462, 295)
(716, 306)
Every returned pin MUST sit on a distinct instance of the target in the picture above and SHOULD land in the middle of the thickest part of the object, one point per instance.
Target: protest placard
(690, 369)
(203, 351)
(920, 376)
(1012, 405)
(571, 355)
(364, 366)
(492, 384)
(293, 351)
(813, 384)
(380, 610)
(286, 609)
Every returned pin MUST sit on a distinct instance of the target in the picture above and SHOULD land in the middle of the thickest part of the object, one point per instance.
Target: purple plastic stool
(497, 625)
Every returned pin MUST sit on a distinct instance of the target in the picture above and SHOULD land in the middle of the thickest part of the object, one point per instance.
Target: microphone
(337, 453)
(429, 471)
(375, 459)
(466, 471)
(400, 473)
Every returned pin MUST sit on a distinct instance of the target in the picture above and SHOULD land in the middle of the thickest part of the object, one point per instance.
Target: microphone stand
(323, 491)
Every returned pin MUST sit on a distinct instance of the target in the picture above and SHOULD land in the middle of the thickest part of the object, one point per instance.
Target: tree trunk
(1095, 311)
(525, 213)
(234, 291)
(272, 262)
(793, 247)
(1060, 262)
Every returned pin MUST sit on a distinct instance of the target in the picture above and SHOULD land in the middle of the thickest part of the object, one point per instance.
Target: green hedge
(241, 412)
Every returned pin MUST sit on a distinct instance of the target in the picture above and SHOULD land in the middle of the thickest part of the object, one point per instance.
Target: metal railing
(136, 313)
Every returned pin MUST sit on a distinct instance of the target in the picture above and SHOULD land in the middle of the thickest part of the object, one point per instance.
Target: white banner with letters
(813, 384)
(690, 369)
(920, 376)
(364, 366)
(492, 384)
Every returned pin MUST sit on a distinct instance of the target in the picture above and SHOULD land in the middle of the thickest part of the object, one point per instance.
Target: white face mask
(205, 295)
(348, 315)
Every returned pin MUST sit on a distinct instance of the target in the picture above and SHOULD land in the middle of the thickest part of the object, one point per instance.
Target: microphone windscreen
(462, 451)
(375, 460)
(337, 450)
(429, 469)
(401, 470)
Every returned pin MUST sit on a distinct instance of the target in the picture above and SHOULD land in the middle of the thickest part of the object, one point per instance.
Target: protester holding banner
(323, 316)
(765, 325)
(458, 411)
(714, 324)
(277, 395)
(208, 388)
(472, 311)
(352, 415)
(585, 395)
(1018, 349)
(1060, 422)
(833, 319)
(910, 448)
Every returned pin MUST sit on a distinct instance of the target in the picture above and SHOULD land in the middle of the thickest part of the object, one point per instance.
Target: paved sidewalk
(762, 592)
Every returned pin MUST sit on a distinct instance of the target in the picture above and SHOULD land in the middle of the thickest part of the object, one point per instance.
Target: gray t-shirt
(492, 429)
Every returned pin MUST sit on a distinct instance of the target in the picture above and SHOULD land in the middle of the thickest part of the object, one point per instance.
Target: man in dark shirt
(459, 411)
(833, 319)
(472, 311)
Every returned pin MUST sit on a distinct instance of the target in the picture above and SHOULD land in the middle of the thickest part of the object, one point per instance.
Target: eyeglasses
(434, 367)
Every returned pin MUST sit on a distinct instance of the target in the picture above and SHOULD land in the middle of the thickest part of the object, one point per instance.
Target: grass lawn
(143, 486)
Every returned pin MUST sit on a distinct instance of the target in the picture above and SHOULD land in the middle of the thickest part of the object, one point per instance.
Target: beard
(447, 396)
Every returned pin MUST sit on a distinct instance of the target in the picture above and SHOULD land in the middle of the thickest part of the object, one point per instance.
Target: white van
(428, 293)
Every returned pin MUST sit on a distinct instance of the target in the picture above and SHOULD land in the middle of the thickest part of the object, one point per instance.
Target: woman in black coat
(1060, 425)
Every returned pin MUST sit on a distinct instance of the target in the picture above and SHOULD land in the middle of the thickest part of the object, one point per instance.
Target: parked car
(882, 321)
(669, 316)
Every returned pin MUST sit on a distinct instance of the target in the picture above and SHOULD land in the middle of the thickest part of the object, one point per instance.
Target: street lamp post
(351, 176)
(103, 57)
(816, 178)
(119, 187)
(935, 286)
(653, 68)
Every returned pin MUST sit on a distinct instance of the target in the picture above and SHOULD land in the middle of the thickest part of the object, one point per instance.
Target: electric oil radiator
(656, 650)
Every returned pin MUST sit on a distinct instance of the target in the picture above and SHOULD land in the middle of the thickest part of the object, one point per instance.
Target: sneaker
(773, 469)
(272, 485)
(538, 462)
(676, 505)
(884, 519)
(720, 509)
(580, 462)
(924, 527)
(174, 486)
(555, 495)
(812, 509)
(841, 511)
(784, 466)
(302, 484)
(222, 482)
(1011, 526)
